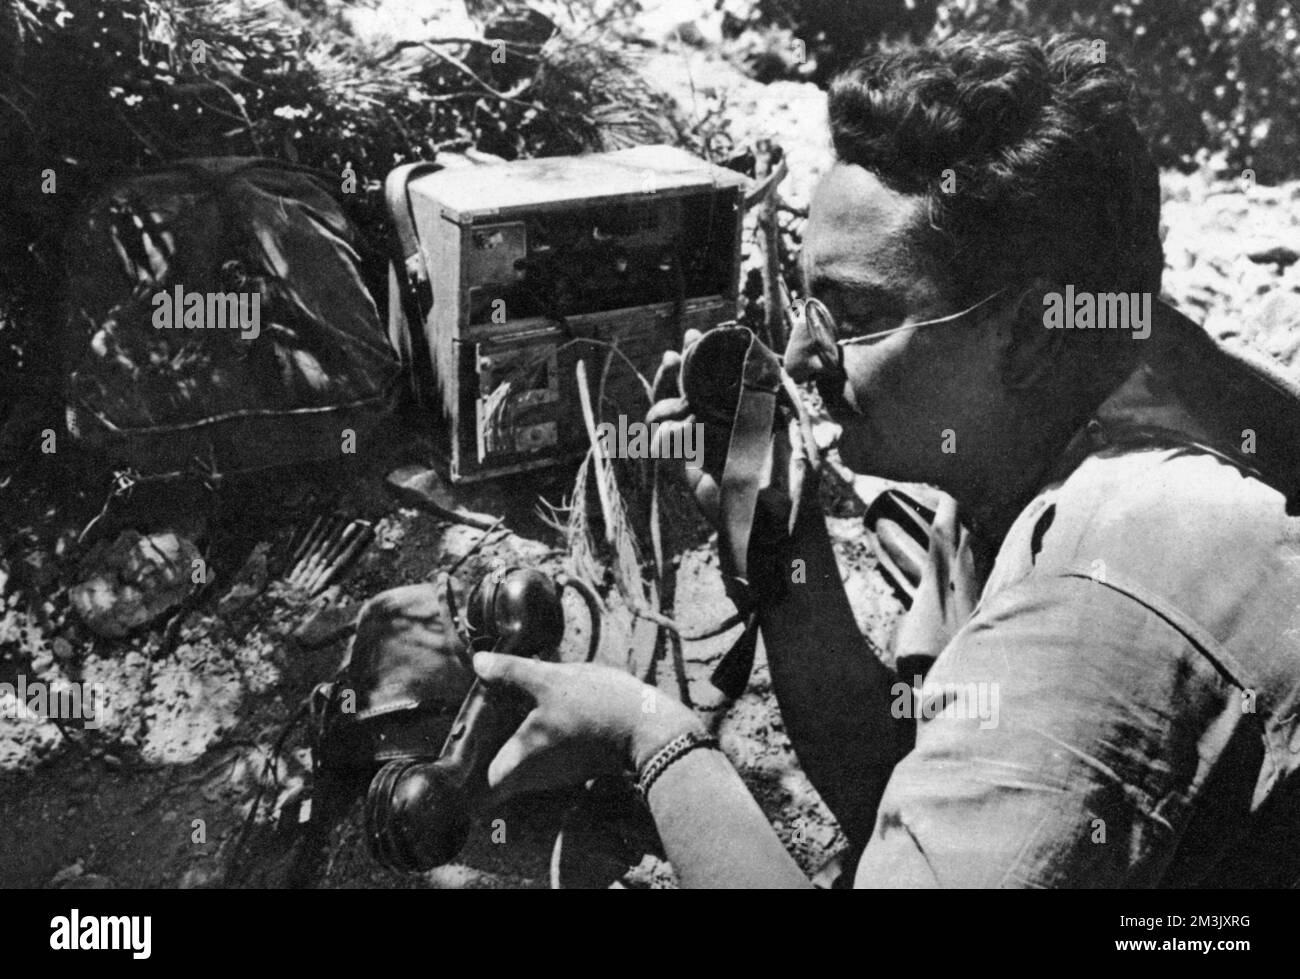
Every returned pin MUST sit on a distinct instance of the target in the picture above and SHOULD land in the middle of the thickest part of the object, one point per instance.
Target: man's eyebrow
(861, 289)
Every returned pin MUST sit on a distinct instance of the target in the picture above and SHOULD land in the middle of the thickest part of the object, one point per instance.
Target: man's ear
(1028, 350)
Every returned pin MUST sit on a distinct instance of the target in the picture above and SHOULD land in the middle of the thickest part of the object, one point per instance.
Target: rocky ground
(160, 793)
(177, 784)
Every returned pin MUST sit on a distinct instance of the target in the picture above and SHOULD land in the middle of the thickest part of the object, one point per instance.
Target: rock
(68, 873)
(133, 580)
(194, 699)
(26, 740)
(248, 584)
(202, 876)
(1273, 324)
(410, 20)
(90, 882)
(416, 486)
(74, 878)
(665, 20)
(1282, 255)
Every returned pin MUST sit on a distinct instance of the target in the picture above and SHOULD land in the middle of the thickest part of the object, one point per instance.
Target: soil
(176, 789)
(159, 796)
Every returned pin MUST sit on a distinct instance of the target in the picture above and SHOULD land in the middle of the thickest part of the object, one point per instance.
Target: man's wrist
(662, 719)
(669, 755)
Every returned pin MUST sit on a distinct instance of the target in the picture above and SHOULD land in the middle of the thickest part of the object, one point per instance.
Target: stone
(133, 580)
(1274, 254)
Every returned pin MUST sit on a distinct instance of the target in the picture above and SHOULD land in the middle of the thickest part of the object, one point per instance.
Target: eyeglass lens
(821, 328)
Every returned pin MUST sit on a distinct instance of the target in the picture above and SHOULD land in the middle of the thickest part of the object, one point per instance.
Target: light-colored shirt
(1121, 707)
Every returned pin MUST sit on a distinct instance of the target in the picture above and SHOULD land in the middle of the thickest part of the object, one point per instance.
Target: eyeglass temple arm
(867, 338)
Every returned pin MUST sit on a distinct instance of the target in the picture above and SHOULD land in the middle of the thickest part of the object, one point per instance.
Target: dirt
(158, 796)
(175, 790)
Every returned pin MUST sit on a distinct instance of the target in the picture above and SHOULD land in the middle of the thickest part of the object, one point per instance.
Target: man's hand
(592, 720)
(673, 412)
(589, 720)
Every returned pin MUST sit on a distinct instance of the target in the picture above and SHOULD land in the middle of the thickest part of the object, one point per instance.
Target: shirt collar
(1157, 404)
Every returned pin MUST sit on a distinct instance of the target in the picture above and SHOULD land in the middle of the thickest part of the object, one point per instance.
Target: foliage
(89, 89)
(1218, 78)
(831, 33)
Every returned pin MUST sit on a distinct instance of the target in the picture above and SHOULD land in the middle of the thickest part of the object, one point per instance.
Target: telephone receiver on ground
(419, 813)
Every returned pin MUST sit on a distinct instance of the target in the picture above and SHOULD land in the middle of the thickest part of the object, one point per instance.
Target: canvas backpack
(218, 323)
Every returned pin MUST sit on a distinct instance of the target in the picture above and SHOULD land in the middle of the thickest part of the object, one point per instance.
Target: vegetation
(89, 89)
(1220, 77)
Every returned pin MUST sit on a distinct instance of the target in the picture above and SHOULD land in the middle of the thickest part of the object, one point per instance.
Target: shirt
(1121, 706)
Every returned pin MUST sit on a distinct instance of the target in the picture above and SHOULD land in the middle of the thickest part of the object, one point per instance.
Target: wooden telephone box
(537, 264)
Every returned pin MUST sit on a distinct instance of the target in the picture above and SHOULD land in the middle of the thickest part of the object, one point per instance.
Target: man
(1124, 534)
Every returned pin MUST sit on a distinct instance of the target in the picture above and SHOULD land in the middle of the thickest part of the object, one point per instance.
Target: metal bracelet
(675, 749)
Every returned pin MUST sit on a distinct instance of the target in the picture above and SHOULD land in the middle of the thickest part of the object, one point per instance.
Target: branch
(522, 49)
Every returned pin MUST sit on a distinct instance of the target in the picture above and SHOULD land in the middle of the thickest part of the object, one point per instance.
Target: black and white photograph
(650, 444)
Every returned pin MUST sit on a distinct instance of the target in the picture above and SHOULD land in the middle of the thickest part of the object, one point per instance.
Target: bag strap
(412, 275)
(414, 290)
(747, 453)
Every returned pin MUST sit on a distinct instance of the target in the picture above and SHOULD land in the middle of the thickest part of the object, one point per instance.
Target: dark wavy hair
(1036, 140)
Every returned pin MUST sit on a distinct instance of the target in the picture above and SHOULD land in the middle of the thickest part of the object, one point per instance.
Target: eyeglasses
(812, 315)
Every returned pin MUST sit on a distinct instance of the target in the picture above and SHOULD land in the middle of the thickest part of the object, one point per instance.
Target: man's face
(913, 404)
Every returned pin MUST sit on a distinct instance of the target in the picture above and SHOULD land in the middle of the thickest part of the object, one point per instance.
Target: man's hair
(1027, 152)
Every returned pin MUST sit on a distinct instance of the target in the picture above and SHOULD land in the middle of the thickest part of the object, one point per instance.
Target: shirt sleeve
(1063, 739)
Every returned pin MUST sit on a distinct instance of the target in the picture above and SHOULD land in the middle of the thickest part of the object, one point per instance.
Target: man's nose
(804, 358)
